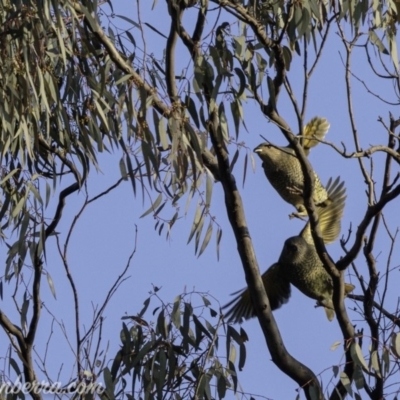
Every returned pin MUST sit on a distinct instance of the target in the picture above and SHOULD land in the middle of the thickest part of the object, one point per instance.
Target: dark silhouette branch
(363, 153)
(379, 307)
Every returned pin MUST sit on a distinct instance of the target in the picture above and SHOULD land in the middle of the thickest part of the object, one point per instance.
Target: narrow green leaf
(187, 312)
(145, 349)
(235, 335)
(305, 21)
(145, 305)
(239, 45)
(206, 301)
(217, 85)
(375, 363)
(358, 377)
(233, 375)
(48, 194)
(123, 170)
(22, 231)
(24, 312)
(242, 356)
(9, 175)
(155, 30)
(198, 234)
(19, 206)
(149, 157)
(162, 372)
(335, 345)
(51, 285)
(232, 354)
(131, 38)
(223, 123)
(207, 388)
(153, 206)
(357, 356)
(221, 386)
(242, 82)
(245, 168)
(161, 228)
(135, 24)
(207, 238)
(393, 49)
(176, 312)
(315, 9)
(346, 383)
(109, 383)
(234, 159)
(102, 116)
(162, 325)
(15, 366)
(191, 106)
(287, 56)
(201, 327)
(123, 79)
(197, 218)
(374, 39)
(236, 116)
(395, 344)
(209, 189)
(386, 360)
(218, 236)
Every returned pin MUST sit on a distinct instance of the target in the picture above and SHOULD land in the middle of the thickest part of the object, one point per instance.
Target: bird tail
(317, 128)
(330, 313)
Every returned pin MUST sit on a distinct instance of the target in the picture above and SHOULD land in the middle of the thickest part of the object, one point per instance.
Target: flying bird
(299, 265)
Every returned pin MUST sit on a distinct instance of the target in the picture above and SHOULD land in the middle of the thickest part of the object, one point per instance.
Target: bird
(298, 265)
(283, 169)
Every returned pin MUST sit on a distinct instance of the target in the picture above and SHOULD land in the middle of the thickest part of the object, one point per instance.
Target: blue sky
(105, 235)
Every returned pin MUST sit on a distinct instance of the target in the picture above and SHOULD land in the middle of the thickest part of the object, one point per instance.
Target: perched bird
(283, 169)
(299, 265)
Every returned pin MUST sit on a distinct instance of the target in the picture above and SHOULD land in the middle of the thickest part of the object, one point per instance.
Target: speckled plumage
(300, 264)
(283, 170)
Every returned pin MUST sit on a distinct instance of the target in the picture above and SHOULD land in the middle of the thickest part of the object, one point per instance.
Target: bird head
(294, 250)
(268, 151)
(263, 148)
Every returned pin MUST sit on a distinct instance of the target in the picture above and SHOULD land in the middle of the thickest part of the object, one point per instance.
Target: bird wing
(317, 128)
(329, 216)
(277, 288)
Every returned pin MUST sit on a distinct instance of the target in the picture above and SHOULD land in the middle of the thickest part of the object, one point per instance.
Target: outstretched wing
(278, 291)
(330, 216)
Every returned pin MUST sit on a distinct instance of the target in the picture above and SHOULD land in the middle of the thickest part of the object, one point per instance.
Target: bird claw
(298, 215)
(322, 303)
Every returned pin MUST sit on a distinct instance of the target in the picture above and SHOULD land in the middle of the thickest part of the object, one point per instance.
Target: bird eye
(292, 247)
